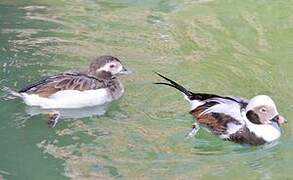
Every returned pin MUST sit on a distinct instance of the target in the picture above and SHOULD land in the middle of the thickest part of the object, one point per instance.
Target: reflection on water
(70, 113)
(59, 114)
(238, 47)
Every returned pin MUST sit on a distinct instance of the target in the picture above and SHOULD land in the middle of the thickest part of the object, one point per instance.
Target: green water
(227, 47)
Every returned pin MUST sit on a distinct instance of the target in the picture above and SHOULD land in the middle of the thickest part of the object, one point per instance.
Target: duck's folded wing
(220, 115)
(66, 81)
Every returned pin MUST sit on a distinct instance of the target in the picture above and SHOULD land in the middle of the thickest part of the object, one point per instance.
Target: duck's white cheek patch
(120, 68)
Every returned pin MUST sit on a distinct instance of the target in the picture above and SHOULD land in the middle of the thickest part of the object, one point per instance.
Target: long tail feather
(190, 95)
(175, 85)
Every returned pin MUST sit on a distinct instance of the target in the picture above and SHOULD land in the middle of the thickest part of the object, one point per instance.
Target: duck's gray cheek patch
(253, 117)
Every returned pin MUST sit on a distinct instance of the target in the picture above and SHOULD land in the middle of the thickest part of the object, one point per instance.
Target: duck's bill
(279, 119)
(282, 120)
(126, 71)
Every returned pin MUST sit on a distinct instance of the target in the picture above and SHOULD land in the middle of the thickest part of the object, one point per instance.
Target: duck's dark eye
(263, 110)
(112, 65)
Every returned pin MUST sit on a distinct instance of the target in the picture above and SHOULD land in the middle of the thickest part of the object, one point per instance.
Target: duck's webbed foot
(194, 129)
(53, 119)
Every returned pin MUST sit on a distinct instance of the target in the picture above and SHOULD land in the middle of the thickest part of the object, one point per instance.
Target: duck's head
(107, 64)
(262, 110)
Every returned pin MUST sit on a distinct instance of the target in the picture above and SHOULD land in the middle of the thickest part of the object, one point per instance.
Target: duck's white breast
(69, 99)
(267, 131)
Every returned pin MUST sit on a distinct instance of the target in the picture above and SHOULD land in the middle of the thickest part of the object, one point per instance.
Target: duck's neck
(101, 75)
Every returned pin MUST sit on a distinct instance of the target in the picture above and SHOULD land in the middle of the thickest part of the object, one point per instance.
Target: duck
(96, 86)
(254, 121)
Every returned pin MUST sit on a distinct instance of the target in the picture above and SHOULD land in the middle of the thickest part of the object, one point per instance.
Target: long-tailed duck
(255, 121)
(97, 86)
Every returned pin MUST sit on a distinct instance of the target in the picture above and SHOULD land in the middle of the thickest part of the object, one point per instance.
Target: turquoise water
(227, 47)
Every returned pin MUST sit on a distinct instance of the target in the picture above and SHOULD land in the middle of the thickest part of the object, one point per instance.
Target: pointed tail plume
(176, 86)
(190, 95)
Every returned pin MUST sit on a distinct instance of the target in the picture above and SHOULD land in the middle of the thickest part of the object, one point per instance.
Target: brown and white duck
(97, 86)
(255, 121)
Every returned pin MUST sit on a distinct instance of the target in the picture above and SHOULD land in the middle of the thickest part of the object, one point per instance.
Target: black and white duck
(255, 121)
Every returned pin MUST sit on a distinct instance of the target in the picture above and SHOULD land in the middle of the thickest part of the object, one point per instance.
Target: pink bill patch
(281, 120)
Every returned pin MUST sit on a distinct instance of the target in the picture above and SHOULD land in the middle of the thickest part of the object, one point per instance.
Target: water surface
(228, 47)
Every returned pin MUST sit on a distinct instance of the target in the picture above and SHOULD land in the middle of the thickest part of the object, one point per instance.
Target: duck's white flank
(69, 99)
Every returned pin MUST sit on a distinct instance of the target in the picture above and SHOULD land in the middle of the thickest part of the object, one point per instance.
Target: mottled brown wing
(216, 122)
(66, 81)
